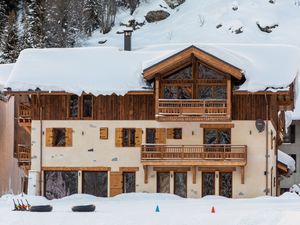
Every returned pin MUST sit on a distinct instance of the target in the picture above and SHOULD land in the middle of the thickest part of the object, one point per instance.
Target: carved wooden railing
(24, 111)
(192, 107)
(193, 152)
(24, 154)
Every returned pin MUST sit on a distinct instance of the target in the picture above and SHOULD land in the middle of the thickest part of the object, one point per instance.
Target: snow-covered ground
(139, 209)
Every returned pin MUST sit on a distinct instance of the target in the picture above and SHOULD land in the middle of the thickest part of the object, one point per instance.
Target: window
(177, 92)
(174, 133)
(155, 135)
(87, 105)
(211, 92)
(128, 137)
(150, 135)
(289, 137)
(58, 137)
(217, 136)
(73, 106)
(294, 156)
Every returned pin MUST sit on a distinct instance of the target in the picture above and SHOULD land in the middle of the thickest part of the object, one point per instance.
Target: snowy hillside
(197, 21)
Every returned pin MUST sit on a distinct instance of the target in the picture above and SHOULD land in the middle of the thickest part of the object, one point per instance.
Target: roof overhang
(186, 54)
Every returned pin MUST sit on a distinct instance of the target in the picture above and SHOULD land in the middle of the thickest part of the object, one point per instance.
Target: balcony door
(225, 184)
(208, 183)
(180, 184)
(163, 182)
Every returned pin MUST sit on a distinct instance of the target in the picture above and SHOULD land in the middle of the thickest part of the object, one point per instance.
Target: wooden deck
(24, 155)
(206, 155)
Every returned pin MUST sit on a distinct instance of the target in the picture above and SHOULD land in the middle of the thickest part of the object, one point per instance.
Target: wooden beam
(214, 169)
(242, 175)
(145, 174)
(64, 168)
(215, 163)
(150, 92)
(217, 125)
(175, 169)
(194, 173)
(128, 169)
(260, 93)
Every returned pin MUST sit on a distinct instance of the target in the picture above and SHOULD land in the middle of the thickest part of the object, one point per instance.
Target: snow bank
(146, 196)
(5, 70)
(107, 70)
(287, 160)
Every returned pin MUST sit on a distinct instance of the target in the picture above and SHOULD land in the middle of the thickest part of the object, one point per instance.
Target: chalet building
(190, 120)
(291, 146)
(12, 177)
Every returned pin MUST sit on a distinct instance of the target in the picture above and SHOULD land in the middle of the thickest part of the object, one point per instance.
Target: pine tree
(106, 13)
(9, 40)
(33, 36)
(90, 16)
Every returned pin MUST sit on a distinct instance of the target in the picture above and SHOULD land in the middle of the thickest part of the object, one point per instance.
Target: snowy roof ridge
(107, 70)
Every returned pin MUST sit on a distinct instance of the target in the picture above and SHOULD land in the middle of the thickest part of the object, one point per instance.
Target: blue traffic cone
(157, 209)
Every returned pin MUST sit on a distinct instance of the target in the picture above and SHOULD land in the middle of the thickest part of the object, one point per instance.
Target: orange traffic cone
(213, 210)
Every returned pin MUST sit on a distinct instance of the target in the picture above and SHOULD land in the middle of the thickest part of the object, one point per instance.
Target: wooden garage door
(116, 183)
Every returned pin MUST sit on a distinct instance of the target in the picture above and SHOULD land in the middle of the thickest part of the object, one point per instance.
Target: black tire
(41, 208)
(84, 208)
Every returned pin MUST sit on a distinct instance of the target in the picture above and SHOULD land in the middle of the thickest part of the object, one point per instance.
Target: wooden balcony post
(242, 175)
(145, 174)
(194, 172)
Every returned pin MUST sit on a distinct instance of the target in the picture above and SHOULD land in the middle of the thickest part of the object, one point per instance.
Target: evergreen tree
(90, 16)
(9, 40)
(106, 13)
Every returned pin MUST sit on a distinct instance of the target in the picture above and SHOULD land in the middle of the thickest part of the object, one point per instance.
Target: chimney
(127, 38)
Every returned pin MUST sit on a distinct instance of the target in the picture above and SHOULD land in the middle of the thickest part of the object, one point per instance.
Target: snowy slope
(196, 21)
(139, 208)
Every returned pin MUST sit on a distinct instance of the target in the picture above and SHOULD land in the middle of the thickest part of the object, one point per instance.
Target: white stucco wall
(86, 136)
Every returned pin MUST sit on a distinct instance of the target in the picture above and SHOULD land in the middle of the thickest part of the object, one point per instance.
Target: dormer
(193, 85)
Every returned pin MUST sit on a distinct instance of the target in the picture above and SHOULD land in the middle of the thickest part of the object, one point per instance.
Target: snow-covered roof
(107, 70)
(287, 160)
(5, 70)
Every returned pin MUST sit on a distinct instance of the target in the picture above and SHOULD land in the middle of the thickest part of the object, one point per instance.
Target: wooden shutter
(116, 182)
(49, 137)
(160, 136)
(69, 135)
(119, 137)
(138, 137)
(103, 133)
(170, 133)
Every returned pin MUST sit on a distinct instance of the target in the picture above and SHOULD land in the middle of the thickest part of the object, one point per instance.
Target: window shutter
(170, 133)
(49, 137)
(119, 137)
(160, 136)
(103, 133)
(69, 134)
(138, 137)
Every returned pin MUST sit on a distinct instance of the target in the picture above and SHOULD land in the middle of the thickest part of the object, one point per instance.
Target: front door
(225, 184)
(94, 183)
(163, 182)
(208, 183)
(116, 183)
(128, 182)
(180, 184)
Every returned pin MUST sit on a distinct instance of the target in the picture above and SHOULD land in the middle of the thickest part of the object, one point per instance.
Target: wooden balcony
(192, 110)
(24, 117)
(24, 155)
(194, 155)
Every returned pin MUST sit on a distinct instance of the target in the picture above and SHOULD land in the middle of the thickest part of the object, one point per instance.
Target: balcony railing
(24, 154)
(198, 108)
(195, 153)
(24, 111)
